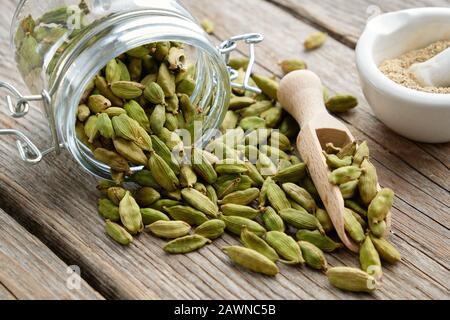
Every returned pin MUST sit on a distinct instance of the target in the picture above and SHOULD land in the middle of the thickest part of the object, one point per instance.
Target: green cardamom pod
(138, 52)
(147, 196)
(230, 166)
(164, 152)
(252, 123)
(211, 229)
(98, 103)
(189, 110)
(362, 152)
(130, 151)
(169, 229)
(293, 174)
(91, 129)
(368, 182)
(203, 167)
(124, 73)
(83, 112)
(319, 240)
(334, 162)
(315, 40)
(355, 206)
(301, 196)
(234, 225)
(272, 221)
(127, 89)
(291, 65)
(116, 194)
(351, 279)
(165, 203)
(280, 141)
(243, 197)
(137, 113)
(369, 259)
(263, 193)
(186, 244)
(381, 205)
(118, 233)
(113, 72)
(200, 187)
(254, 174)
(162, 172)
(268, 86)
(324, 220)
(186, 86)
(252, 260)
(252, 241)
(286, 247)
(289, 127)
(104, 89)
(341, 103)
(239, 63)
(144, 178)
(130, 214)
(171, 121)
(135, 67)
(112, 159)
(377, 229)
(211, 194)
(208, 26)
(238, 103)
(154, 93)
(256, 109)
(230, 121)
(348, 150)
(200, 202)
(187, 176)
(345, 174)
(176, 59)
(353, 227)
(301, 219)
(386, 250)
(150, 216)
(166, 80)
(161, 50)
(277, 197)
(348, 189)
(114, 112)
(240, 211)
(273, 116)
(108, 210)
(187, 214)
(314, 257)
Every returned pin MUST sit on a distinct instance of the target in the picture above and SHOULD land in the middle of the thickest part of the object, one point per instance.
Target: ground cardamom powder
(397, 69)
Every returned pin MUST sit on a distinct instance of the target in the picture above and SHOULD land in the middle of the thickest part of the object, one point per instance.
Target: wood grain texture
(29, 270)
(345, 20)
(56, 201)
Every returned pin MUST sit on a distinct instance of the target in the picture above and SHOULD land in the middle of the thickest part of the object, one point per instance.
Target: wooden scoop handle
(301, 94)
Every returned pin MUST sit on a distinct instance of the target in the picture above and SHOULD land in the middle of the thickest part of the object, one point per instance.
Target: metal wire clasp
(229, 46)
(27, 149)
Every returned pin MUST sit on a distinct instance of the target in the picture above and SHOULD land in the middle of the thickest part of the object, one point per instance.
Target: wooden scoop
(301, 94)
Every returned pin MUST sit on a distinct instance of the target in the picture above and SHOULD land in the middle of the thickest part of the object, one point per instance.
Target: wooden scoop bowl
(301, 94)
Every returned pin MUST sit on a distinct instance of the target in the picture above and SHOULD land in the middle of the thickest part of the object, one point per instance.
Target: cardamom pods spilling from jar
(249, 182)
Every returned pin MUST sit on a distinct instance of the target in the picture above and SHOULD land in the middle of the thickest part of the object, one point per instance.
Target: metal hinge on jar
(229, 46)
(19, 108)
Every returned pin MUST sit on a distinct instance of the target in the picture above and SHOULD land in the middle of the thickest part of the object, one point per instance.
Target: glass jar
(58, 65)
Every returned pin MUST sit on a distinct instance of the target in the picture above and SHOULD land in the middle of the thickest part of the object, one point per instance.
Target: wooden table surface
(49, 220)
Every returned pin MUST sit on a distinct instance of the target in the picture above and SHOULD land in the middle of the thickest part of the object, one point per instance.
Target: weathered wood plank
(56, 201)
(29, 270)
(346, 23)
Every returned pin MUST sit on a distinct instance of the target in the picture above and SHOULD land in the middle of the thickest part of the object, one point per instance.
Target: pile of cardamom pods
(248, 182)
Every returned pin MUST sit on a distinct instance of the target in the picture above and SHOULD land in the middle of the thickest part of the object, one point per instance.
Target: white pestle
(434, 72)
